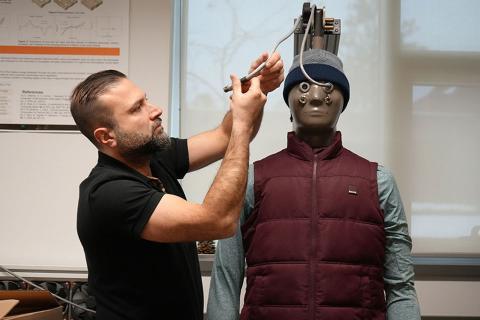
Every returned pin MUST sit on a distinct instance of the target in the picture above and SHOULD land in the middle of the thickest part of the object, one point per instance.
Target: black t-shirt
(132, 278)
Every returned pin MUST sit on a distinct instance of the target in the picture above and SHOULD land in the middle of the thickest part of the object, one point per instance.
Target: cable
(255, 72)
(326, 84)
(38, 287)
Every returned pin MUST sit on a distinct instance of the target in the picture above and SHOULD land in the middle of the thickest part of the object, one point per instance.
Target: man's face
(314, 108)
(138, 128)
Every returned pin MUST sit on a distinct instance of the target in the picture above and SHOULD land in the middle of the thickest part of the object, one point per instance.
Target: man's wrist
(240, 128)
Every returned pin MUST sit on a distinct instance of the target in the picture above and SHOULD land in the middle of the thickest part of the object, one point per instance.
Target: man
(137, 229)
(323, 232)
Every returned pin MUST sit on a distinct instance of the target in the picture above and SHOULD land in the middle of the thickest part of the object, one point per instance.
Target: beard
(137, 145)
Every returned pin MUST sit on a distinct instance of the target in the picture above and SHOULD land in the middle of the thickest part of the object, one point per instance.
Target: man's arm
(210, 146)
(229, 268)
(177, 220)
(402, 303)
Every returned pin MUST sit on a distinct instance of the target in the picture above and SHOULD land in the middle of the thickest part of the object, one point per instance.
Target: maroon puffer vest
(315, 241)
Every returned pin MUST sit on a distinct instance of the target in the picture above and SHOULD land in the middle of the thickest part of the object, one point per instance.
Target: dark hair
(85, 108)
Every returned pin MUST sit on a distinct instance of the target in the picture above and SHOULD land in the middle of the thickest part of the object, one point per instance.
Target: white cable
(326, 84)
(38, 287)
(255, 72)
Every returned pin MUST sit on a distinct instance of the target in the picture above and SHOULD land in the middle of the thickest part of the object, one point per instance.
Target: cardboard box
(29, 305)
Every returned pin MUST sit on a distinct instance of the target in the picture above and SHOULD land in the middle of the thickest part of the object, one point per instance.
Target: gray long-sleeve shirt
(229, 266)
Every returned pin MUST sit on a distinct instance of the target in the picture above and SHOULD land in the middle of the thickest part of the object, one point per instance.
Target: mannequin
(323, 231)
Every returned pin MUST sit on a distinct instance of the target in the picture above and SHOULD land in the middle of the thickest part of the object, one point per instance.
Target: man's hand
(177, 220)
(210, 146)
(247, 107)
(271, 76)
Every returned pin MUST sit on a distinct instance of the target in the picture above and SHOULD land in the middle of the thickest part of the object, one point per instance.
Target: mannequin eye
(304, 87)
(328, 88)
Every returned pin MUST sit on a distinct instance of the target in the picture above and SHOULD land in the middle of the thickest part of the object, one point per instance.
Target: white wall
(40, 172)
(449, 298)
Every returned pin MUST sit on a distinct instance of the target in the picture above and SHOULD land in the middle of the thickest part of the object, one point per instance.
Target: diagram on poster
(47, 47)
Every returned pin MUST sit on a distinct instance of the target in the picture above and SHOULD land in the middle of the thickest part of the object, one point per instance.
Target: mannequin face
(315, 109)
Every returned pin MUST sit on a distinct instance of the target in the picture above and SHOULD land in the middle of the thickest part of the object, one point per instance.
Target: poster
(47, 47)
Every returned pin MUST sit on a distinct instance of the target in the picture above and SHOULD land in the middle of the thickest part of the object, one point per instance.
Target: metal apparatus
(323, 33)
(311, 31)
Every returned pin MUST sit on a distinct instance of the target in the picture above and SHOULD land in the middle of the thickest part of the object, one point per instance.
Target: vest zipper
(314, 226)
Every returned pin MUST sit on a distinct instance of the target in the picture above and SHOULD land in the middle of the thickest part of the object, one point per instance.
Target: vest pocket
(254, 293)
(375, 289)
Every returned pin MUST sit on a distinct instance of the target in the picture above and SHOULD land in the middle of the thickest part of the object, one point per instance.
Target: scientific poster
(49, 46)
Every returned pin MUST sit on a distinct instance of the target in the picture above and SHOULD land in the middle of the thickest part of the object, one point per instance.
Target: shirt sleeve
(402, 303)
(229, 268)
(123, 207)
(181, 161)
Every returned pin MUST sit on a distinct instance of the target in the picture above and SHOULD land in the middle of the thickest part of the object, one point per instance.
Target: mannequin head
(315, 109)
